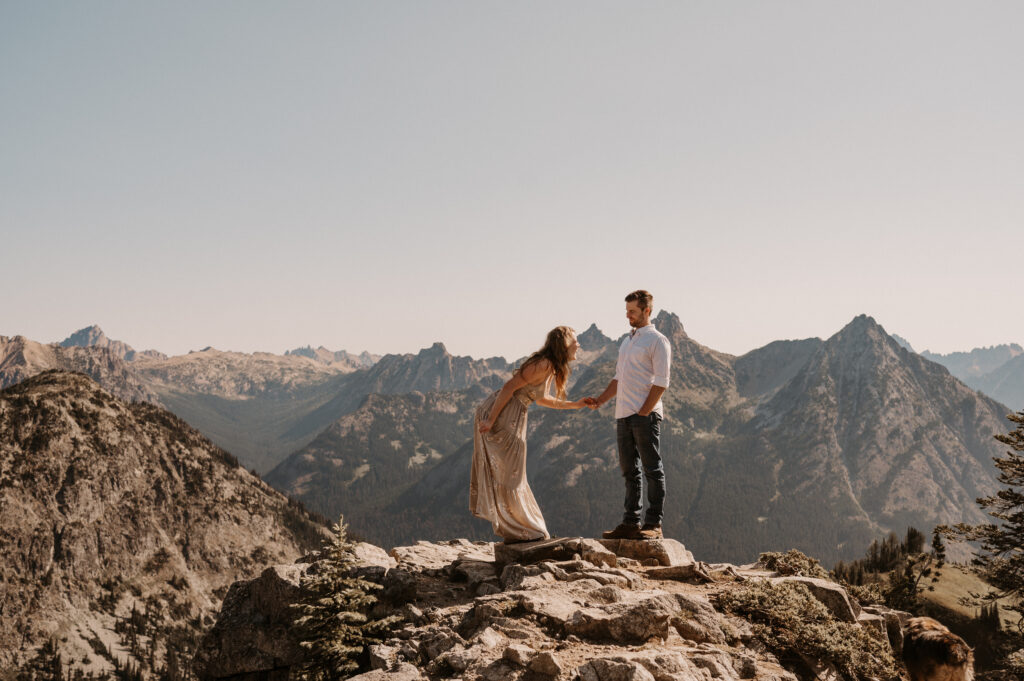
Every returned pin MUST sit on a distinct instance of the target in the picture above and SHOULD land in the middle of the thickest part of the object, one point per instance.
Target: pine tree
(938, 548)
(44, 666)
(914, 542)
(1001, 559)
(333, 625)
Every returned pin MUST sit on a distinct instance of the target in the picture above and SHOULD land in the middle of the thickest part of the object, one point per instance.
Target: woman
(498, 490)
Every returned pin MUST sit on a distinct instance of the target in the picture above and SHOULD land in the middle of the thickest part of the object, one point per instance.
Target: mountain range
(816, 444)
(997, 371)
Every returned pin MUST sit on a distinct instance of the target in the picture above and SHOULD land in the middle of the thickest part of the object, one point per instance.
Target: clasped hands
(487, 423)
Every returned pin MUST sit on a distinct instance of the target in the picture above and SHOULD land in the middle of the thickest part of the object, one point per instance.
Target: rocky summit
(553, 610)
(93, 336)
(121, 527)
(21, 358)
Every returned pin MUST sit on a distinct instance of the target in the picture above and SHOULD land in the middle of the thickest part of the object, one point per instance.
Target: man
(641, 377)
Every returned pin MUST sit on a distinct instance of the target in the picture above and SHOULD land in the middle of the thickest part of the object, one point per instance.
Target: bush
(793, 624)
(793, 562)
(866, 594)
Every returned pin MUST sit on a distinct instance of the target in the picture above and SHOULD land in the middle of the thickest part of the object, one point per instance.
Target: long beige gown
(498, 490)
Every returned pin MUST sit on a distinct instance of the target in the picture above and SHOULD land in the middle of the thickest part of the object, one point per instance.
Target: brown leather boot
(651, 531)
(623, 531)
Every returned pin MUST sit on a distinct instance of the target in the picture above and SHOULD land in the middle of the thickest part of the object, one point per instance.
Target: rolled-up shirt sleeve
(662, 362)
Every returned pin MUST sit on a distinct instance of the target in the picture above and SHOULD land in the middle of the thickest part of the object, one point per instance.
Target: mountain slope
(108, 507)
(252, 405)
(364, 461)
(869, 437)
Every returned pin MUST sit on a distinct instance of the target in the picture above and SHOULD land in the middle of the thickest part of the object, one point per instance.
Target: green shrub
(332, 620)
(866, 594)
(792, 623)
(793, 562)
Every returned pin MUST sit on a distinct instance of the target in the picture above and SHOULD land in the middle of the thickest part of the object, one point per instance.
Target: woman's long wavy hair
(556, 351)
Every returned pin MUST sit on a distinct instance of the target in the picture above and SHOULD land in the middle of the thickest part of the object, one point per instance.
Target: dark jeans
(638, 438)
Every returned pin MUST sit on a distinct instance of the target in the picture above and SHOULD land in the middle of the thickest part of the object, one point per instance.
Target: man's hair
(642, 298)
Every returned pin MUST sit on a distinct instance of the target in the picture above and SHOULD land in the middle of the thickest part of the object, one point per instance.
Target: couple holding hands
(498, 489)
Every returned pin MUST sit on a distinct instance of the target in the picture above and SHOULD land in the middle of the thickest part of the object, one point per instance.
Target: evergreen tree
(1002, 545)
(44, 666)
(333, 625)
(914, 543)
(938, 548)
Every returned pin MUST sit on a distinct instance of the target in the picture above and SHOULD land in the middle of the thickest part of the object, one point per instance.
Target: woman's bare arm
(524, 376)
(551, 402)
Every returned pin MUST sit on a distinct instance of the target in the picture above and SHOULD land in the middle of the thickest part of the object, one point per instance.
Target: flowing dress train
(498, 490)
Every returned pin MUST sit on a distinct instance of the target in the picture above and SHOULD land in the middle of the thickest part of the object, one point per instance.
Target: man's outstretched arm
(609, 393)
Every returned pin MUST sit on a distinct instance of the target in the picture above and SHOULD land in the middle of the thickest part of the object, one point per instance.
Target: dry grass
(958, 582)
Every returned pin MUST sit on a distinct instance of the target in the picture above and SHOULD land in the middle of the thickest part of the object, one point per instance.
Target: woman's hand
(486, 424)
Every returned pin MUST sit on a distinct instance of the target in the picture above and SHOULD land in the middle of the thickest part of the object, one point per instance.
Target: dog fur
(934, 653)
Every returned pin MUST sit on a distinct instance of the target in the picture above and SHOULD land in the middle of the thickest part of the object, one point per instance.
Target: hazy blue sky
(381, 175)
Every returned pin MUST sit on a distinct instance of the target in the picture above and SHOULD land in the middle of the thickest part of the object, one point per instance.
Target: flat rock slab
(368, 554)
(556, 549)
(425, 555)
(692, 572)
(612, 670)
(666, 551)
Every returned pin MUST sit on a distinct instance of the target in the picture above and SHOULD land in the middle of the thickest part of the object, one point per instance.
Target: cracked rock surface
(565, 610)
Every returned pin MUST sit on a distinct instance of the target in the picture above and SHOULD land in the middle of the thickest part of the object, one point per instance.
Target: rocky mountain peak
(306, 351)
(93, 337)
(436, 350)
(21, 358)
(593, 339)
(669, 324)
(862, 331)
(87, 337)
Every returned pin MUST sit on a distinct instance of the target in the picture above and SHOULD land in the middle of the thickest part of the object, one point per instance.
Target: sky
(383, 175)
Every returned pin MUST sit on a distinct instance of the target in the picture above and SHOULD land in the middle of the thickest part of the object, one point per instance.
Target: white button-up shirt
(644, 360)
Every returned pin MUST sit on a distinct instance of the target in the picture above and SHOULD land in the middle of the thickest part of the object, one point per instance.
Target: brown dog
(934, 653)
